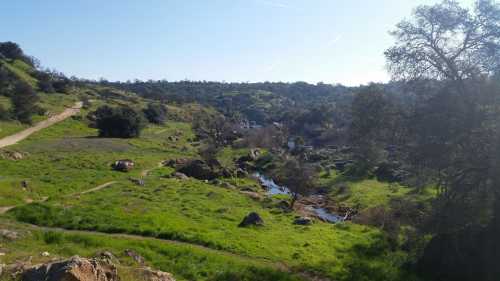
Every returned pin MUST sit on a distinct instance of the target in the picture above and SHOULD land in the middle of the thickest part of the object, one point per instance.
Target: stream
(275, 189)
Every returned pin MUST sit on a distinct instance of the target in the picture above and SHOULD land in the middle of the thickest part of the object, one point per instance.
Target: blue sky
(333, 41)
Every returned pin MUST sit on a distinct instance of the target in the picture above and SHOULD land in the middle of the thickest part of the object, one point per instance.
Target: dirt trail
(15, 138)
(97, 188)
(5, 209)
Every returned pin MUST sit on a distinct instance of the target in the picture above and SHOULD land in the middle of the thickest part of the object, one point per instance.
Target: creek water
(274, 189)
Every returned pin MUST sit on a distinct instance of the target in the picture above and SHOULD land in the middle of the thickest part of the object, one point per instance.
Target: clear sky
(333, 41)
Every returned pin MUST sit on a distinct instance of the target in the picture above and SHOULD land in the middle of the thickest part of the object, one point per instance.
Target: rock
(198, 169)
(123, 165)
(73, 269)
(180, 176)
(252, 219)
(155, 275)
(11, 155)
(45, 254)
(303, 221)
(16, 156)
(254, 195)
(135, 256)
(9, 234)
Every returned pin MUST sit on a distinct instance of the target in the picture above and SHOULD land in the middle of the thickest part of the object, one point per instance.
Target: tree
(297, 177)
(373, 127)
(446, 41)
(118, 122)
(156, 113)
(454, 132)
(24, 101)
(11, 50)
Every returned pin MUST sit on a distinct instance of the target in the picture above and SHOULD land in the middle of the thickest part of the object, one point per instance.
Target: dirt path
(146, 172)
(5, 209)
(97, 188)
(13, 139)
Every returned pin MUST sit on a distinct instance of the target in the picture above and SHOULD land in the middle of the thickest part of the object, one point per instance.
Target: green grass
(68, 158)
(22, 71)
(202, 214)
(185, 262)
(8, 128)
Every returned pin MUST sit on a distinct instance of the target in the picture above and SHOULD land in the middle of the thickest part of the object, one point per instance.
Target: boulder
(73, 269)
(252, 219)
(124, 165)
(303, 221)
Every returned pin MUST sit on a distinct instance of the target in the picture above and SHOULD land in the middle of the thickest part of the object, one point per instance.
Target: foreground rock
(82, 269)
(252, 219)
(74, 269)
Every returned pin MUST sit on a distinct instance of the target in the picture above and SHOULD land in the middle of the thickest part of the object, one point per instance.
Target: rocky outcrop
(198, 169)
(74, 269)
(252, 219)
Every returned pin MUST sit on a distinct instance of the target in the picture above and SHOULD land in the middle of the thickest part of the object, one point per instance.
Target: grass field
(185, 262)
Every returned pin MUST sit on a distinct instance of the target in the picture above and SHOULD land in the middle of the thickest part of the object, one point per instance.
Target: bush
(118, 122)
(44, 81)
(4, 113)
(24, 101)
(156, 113)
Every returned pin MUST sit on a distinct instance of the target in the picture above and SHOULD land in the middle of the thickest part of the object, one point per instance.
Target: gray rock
(73, 269)
(303, 221)
(252, 219)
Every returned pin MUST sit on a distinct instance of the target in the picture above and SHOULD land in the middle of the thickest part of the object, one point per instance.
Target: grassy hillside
(65, 184)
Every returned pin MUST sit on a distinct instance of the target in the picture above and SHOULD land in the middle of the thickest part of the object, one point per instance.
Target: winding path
(15, 138)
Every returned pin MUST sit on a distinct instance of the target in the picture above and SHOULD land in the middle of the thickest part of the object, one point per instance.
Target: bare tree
(446, 41)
